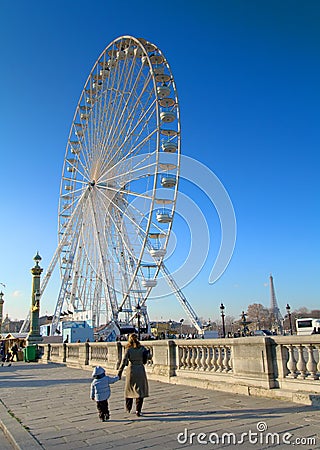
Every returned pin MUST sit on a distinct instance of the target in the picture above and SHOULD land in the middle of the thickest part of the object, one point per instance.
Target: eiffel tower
(277, 319)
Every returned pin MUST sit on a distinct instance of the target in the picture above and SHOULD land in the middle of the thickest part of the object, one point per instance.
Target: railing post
(64, 358)
(164, 359)
(87, 349)
(253, 361)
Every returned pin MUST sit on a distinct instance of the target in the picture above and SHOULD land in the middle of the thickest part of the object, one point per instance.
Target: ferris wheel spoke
(140, 145)
(112, 93)
(99, 248)
(118, 112)
(141, 229)
(130, 126)
(82, 161)
(121, 234)
(126, 88)
(127, 125)
(85, 146)
(123, 211)
(81, 172)
(132, 108)
(131, 170)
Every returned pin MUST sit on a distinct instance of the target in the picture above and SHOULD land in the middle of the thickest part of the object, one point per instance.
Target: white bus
(307, 326)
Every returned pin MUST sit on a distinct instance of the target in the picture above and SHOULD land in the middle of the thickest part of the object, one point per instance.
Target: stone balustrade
(278, 366)
(297, 363)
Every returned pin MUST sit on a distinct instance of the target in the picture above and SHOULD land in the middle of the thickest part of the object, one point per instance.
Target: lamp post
(222, 308)
(138, 312)
(1, 309)
(169, 330)
(181, 322)
(34, 334)
(288, 308)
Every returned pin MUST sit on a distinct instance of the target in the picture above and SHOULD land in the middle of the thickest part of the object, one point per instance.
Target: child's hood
(98, 372)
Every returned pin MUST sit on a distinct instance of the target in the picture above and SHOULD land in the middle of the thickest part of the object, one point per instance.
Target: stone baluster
(215, 359)
(198, 357)
(291, 364)
(209, 358)
(188, 359)
(220, 359)
(204, 350)
(301, 364)
(226, 359)
(180, 357)
(311, 364)
(193, 357)
(185, 354)
(318, 365)
(185, 360)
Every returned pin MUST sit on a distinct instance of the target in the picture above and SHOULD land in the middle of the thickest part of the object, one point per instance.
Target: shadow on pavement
(29, 366)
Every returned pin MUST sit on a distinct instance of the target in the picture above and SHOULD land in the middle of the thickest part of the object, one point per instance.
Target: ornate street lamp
(169, 330)
(34, 336)
(138, 312)
(222, 308)
(181, 322)
(1, 309)
(288, 308)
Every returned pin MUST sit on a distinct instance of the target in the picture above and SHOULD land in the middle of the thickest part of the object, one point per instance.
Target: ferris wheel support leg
(26, 324)
(182, 299)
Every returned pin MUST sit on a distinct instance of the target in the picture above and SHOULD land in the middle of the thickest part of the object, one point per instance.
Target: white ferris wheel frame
(151, 115)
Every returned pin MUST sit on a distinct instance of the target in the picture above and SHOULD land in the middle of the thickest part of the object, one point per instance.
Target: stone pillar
(253, 361)
(34, 336)
(163, 359)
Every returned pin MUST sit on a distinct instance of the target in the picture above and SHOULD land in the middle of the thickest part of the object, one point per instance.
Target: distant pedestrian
(100, 391)
(136, 387)
(14, 350)
(8, 358)
(2, 353)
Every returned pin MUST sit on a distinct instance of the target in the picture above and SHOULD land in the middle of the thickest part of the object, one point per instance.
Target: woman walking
(136, 386)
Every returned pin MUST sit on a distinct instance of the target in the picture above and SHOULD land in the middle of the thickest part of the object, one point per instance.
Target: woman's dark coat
(136, 379)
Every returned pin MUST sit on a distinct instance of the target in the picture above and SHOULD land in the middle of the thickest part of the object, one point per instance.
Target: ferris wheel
(119, 183)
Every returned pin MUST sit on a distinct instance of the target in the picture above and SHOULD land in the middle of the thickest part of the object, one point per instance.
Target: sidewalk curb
(16, 434)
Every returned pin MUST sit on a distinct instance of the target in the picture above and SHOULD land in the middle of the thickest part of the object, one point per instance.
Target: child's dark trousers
(103, 409)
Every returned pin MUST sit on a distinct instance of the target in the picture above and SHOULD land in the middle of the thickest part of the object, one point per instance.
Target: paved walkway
(47, 406)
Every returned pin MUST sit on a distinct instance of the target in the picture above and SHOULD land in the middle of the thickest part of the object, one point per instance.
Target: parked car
(262, 333)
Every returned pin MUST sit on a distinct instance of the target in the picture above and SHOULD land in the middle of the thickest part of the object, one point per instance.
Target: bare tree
(259, 315)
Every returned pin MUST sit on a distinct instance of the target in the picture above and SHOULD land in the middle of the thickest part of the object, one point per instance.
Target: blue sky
(247, 75)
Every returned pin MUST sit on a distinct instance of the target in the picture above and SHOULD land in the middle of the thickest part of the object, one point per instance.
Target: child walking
(100, 391)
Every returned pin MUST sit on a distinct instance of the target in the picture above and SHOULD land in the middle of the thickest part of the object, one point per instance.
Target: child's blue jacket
(100, 388)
